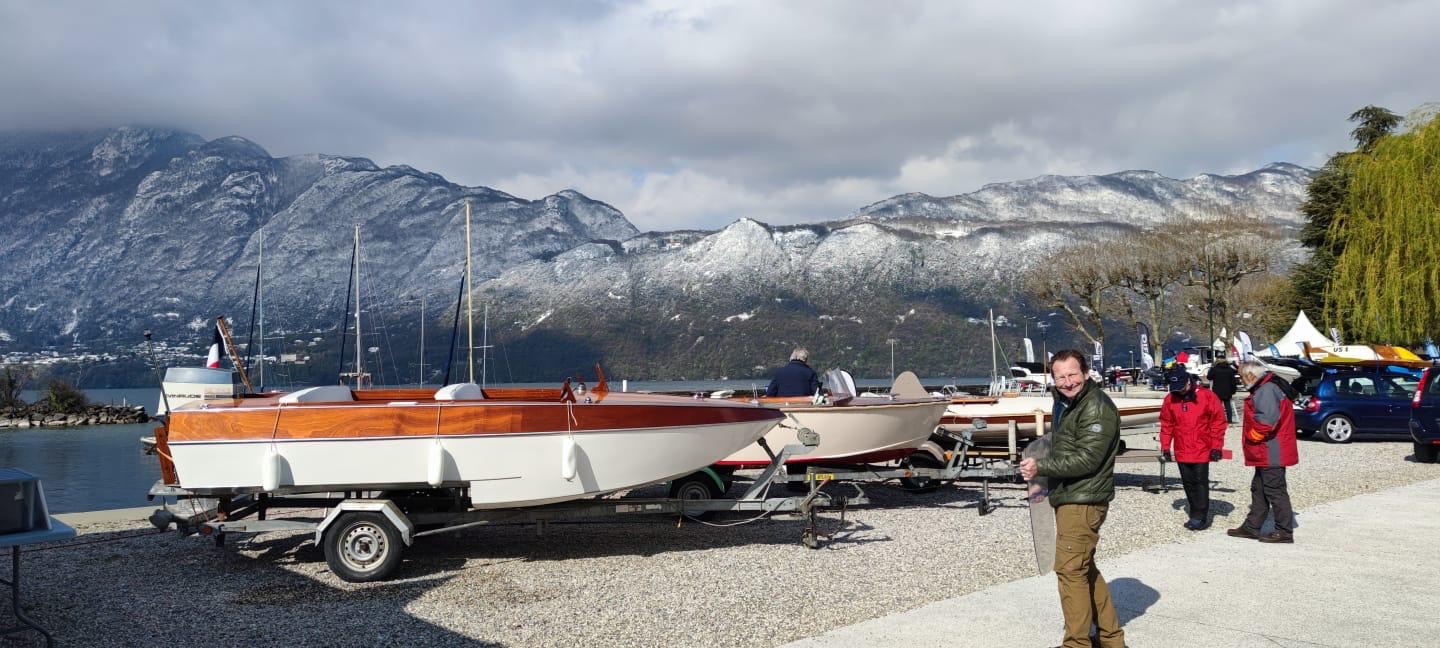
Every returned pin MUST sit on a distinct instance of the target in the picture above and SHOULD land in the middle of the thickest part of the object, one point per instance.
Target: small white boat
(852, 430)
(510, 448)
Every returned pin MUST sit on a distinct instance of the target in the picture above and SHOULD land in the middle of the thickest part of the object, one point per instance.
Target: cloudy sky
(691, 113)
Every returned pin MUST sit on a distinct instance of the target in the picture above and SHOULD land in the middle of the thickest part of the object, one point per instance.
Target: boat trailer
(364, 533)
(955, 464)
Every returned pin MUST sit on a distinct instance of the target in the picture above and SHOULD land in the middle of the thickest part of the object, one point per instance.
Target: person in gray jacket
(1268, 438)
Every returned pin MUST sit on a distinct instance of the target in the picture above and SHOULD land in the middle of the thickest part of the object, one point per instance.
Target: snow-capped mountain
(915, 268)
(107, 233)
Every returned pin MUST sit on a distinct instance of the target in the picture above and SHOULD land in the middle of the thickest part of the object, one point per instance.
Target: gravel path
(643, 583)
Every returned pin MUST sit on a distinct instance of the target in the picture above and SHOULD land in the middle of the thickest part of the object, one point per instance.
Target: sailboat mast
(260, 290)
(469, 300)
(421, 381)
(359, 363)
(485, 347)
(994, 361)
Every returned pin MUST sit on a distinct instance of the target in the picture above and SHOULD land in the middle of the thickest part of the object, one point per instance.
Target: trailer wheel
(919, 484)
(696, 486)
(363, 546)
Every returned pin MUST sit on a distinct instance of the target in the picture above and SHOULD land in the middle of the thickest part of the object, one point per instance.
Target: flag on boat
(1099, 354)
(1245, 349)
(1029, 350)
(1146, 360)
(217, 349)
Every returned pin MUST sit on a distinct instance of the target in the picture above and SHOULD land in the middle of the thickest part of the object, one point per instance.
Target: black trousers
(1196, 479)
(1268, 494)
(1229, 408)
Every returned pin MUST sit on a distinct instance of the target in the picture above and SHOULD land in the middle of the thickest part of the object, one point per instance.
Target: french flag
(217, 349)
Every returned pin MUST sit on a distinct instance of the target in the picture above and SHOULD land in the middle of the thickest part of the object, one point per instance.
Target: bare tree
(1151, 278)
(1226, 250)
(1075, 279)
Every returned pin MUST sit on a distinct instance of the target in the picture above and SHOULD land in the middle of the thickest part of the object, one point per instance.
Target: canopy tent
(1302, 331)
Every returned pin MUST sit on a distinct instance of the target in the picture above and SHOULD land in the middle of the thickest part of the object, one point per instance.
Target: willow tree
(1386, 282)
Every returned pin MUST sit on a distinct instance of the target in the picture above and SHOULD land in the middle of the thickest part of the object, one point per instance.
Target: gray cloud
(691, 114)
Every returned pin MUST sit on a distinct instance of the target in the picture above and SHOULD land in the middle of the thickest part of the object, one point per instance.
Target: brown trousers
(1084, 597)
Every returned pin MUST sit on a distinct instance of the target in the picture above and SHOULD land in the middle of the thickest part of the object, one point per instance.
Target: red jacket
(1273, 445)
(1195, 426)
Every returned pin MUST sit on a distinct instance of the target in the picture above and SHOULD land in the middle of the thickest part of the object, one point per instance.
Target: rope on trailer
(731, 524)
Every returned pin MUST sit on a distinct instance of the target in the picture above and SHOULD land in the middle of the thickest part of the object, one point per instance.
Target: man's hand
(1028, 468)
(1215, 455)
(1166, 457)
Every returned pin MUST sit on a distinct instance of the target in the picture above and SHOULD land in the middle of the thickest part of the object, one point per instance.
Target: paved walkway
(1362, 573)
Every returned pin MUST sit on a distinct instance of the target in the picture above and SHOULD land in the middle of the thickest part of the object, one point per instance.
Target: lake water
(101, 467)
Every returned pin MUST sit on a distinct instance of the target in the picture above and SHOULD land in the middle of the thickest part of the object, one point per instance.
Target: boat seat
(460, 392)
(321, 394)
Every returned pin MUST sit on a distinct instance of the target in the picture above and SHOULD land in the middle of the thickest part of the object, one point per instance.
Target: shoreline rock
(21, 418)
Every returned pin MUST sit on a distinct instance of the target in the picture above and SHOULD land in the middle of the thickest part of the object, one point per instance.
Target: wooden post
(234, 357)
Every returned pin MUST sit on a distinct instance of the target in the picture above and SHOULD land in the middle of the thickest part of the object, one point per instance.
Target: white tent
(1302, 331)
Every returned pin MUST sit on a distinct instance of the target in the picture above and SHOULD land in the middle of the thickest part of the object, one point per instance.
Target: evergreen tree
(1324, 196)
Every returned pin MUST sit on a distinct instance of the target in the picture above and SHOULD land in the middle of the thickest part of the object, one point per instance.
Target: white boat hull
(860, 434)
(501, 470)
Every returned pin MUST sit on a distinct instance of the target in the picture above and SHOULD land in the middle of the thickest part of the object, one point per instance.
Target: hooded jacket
(1086, 438)
(1194, 423)
(1269, 433)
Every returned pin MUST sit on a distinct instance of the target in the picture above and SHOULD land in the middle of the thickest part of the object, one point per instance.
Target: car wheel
(1426, 452)
(1338, 428)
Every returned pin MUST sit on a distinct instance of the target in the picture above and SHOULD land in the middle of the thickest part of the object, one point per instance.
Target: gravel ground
(642, 583)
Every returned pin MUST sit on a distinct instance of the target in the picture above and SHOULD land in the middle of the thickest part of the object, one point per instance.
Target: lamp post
(891, 342)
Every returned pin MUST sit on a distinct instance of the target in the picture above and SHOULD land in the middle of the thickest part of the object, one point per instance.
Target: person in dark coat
(1223, 379)
(1268, 438)
(1191, 422)
(796, 378)
(1086, 438)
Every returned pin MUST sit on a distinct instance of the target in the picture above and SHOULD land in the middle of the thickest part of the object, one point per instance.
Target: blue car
(1345, 403)
(1425, 417)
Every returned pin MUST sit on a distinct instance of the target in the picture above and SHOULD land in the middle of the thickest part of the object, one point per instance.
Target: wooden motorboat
(852, 430)
(508, 447)
(1134, 412)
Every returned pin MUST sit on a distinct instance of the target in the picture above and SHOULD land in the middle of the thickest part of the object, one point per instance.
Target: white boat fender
(435, 464)
(270, 469)
(567, 457)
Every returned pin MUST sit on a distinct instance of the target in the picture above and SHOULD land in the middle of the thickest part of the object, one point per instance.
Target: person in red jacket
(1268, 437)
(1193, 422)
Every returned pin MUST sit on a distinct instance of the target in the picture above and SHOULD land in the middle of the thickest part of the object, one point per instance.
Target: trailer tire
(917, 484)
(362, 546)
(697, 486)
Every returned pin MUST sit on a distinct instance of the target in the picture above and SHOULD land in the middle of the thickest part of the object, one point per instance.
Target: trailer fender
(386, 507)
(719, 481)
(933, 449)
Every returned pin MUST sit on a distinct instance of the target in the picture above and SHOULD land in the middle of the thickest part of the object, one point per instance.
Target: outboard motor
(184, 385)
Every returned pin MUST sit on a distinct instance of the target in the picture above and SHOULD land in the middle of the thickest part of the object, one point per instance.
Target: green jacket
(1081, 463)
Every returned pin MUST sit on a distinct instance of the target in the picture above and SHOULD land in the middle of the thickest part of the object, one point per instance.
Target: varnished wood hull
(1134, 412)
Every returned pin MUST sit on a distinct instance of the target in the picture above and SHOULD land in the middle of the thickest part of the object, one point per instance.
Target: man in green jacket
(1081, 468)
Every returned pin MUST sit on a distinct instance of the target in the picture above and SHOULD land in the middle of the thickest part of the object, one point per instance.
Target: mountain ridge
(108, 232)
